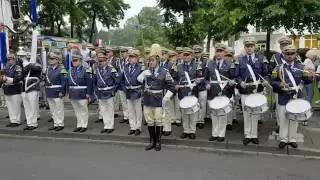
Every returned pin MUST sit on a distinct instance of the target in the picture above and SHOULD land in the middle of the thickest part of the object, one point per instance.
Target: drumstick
(265, 81)
(226, 78)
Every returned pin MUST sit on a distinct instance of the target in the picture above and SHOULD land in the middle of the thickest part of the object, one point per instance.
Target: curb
(204, 146)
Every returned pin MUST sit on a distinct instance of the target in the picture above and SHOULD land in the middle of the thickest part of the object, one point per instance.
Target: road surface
(50, 160)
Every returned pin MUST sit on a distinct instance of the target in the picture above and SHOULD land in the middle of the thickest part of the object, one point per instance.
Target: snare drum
(298, 110)
(220, 105)
(189, 105)
(256, 104)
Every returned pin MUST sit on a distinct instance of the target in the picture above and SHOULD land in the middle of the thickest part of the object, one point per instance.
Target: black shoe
(220, 139)
(183, 135)
(103, 131)
(99, 121)
(15, 125)
(32, 128)
(192, 136)
(234, 121)
(282, 145)
(277, 129)
(201, 126)
(229, 127)
(9, 125)
(38, 119)
(137, 133)
(7, 117)
(116, 115)
(26, 128)
(77, 129)
(178, 124)
(255, 141)
(109, 131)
(131, 132)
(152, 144)
(166, 133)
(52, 128)
(212, 138)
(260, 122)
(83, 130)
(207, 119)
(59, 128)
(246, 141)
(293, 144)
(50, 120)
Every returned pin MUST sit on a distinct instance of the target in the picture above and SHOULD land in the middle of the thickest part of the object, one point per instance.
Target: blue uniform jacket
(106, 81)
(133, 87)
(80, 83)
(285, 96)
(35, 70)
(166, 65)
(260, 66)
(159, 80)
(194, 72)
(15, 72)
(227, 69)
(56, 76)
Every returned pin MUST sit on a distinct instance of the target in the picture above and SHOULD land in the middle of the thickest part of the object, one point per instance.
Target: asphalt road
(51, 160)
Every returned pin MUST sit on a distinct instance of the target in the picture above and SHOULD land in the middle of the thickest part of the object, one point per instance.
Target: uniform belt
(217, 82)
(154, 91)
(133, 87)
(78, 87)
(106, 88)
(54, 86)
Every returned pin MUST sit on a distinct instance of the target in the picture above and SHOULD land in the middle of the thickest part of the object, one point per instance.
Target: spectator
(312, 56)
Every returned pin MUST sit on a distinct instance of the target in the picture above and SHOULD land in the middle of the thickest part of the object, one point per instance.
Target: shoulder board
(236, 61)
(232, 66)
(113, 70)
(273, 58)
(168, 77)
(199, 67)
(18, 68)
(63, 71)
(265, 60)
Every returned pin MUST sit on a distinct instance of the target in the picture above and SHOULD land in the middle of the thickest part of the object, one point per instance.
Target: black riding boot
(158, 137)
(152, 132)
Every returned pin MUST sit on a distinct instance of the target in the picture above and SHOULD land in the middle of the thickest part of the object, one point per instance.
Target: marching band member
(194, 71)
(212, 76)
(80, 90)
(55, 83)
(133, 90)
(120, 96)
(276, 60)
(232, 116)
(286, 78)
(179, 50)
(106, 81)
(172, 110)
(201, 87)
(31, 89)
(12, 85)
(250, 66)
(155, 79)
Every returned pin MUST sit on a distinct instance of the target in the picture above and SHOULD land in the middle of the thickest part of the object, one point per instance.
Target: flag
(34, 13)
(3, 49)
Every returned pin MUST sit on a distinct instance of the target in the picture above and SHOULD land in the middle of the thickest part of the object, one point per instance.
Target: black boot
(158, 138)
(152, 132)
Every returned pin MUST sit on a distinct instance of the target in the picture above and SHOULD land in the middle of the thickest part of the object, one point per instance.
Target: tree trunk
(71, 16)
(71, 29)
(59, 29)
(92, 26)
(268, 44)
(209, 41)
(52, 27)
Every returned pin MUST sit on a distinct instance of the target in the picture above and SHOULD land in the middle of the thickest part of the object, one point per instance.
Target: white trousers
(121, 98)
(250, 121)
(203, 106)
(233, 114)
(31, 107)
(107, 111)
(219, 124)
(168, 116)
(287, 127)
(57, 110)
(80, 108)
(189, 122)
(135, 114)
(14, 107)
(277, 108)
(177, 111)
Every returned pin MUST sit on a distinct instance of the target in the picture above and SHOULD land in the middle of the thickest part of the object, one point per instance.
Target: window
(261, 46)
(259, 28)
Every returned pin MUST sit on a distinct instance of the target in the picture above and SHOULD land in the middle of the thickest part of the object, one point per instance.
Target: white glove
(147, 73)
(243, 85)
(208, 86)
(265, 84)
(143, 75)
(166, 98)
(232, 82)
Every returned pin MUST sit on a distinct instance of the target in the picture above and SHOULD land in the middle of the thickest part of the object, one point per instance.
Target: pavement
(309, 140)
(51, 160)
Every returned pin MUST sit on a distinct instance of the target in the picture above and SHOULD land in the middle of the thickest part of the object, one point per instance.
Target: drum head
(298, 106)
(188, 102)
(255, 100)
(219, 102)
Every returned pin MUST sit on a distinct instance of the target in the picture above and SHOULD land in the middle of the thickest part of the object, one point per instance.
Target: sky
(135, 8)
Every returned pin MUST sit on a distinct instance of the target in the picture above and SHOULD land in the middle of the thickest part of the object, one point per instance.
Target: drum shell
(258, 109)
(227, 108)
(191, 110)
(298, 116)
